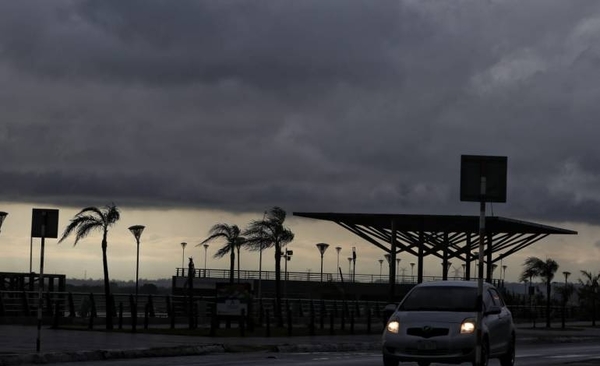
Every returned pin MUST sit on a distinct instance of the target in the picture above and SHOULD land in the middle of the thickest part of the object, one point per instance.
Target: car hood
(432, 316)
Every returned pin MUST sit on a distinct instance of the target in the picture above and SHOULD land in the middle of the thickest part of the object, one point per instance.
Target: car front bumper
(447, 349)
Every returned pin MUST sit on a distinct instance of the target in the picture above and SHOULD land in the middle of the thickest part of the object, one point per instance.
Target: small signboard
(46, 217)
(475, 167)
(233, 298)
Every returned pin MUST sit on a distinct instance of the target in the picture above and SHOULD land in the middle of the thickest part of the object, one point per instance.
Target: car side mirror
(493, 310)
(388, 310)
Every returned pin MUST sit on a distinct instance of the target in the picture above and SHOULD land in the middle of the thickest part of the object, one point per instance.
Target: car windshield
(442, 298)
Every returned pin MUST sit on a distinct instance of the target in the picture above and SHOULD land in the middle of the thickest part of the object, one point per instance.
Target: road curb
(101, 355)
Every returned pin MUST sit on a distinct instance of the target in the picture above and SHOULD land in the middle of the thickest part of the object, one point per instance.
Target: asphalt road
(574, 354)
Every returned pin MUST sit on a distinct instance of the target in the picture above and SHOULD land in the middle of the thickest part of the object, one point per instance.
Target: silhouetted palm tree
(233, 241)
(83, 223)
(545, 270)
(589, 291)
(270, 232)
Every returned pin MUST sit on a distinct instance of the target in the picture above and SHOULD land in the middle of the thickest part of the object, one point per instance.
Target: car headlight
(393, 326)
(467, 326)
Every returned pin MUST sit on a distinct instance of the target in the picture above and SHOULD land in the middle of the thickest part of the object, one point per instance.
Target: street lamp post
(322, 248)
(380, 267)
(137, 230)
(183, 245)
(205, 255)
(337, 267)
(354, 261)
(260, 250)
(412, 267)
(349, 269)
(566, 293)
(287, 256)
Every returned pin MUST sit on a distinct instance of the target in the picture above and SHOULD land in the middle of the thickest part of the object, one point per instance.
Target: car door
(504, 319)
(493, 323)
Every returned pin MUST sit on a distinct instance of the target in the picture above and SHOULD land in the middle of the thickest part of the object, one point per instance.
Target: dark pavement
(18, 343)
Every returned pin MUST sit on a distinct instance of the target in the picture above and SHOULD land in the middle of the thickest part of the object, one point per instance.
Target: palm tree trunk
(548, 289)
(109, 310)
(232, 265)
(278, 284)
(238, 263)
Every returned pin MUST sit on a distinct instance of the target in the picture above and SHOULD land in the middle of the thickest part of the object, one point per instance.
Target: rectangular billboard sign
(473, 168)
(46, 217)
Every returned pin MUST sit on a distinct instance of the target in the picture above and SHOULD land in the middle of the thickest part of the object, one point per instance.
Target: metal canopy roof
(444, 236)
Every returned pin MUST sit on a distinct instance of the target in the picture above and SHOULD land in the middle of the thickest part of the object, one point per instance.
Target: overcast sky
(342, 106)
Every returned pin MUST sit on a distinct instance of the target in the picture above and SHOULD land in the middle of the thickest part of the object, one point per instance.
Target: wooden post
(322, 315)
(146, 315)
(133, 312)
(289, 321)
(120, 314)
(71, 305)
(56, 315)
(331, 323)
(268, 325)
(151, 311)
(369, 320)
(242, 324)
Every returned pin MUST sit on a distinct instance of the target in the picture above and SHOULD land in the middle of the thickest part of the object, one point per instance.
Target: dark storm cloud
(311, 105)
(265, 43)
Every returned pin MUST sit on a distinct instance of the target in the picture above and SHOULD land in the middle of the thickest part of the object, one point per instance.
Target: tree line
(268, 232)
(588, 289)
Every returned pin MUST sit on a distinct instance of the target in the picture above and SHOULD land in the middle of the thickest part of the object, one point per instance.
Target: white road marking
(566, 356)
(529, 355)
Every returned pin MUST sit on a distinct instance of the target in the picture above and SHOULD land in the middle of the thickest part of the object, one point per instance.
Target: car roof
(468, 284)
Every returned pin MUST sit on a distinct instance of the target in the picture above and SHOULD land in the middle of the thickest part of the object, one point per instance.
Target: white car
(437, 322)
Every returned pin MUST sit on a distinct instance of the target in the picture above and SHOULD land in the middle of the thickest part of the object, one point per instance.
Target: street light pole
(322, 248)
(337, 267)
(260, 250)
(380, 267)
(349, 269)
(205, 255)
(412, 267)
(397, 267)
(287, 256)
(137, 230)
(566, 273)
(354, 260)
(183, 245)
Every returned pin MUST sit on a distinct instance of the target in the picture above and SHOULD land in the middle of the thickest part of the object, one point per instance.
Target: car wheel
(485, 354)
(508, 359)
(388, 361)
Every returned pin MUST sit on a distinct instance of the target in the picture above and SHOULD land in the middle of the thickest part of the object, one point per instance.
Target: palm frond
(223, 251)
(77, 221)
(94, 210)
(112, 214)
(84, 229)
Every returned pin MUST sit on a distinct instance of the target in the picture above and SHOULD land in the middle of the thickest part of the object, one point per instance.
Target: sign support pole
(38, 342)
(480, 275)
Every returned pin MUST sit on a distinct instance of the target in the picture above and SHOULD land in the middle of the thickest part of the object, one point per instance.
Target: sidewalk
(18, 343)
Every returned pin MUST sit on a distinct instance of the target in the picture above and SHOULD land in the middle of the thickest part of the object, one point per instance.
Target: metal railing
(246, 275)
